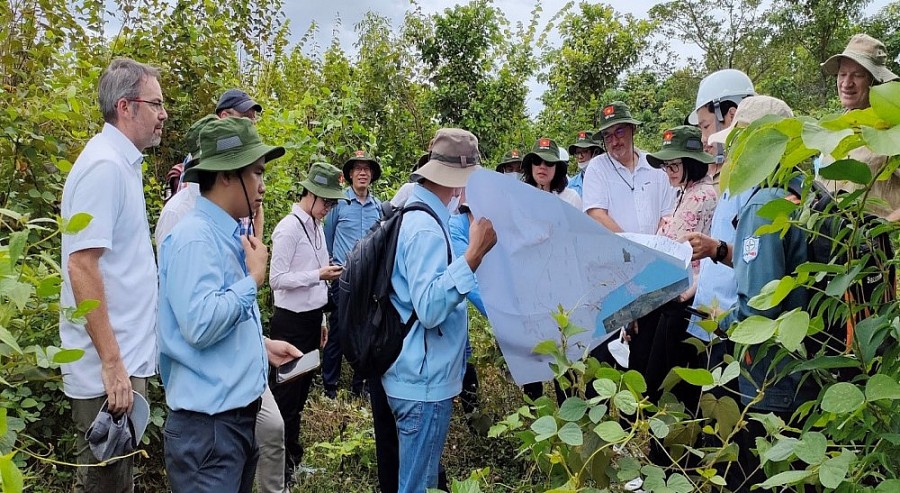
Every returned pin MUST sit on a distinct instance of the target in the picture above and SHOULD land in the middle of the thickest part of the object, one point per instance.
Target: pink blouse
(693, 212)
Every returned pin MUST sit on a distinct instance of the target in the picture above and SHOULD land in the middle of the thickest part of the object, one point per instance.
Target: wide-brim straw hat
(866, 51)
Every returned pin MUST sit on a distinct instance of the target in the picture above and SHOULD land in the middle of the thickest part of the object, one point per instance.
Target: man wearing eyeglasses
(621, 190)
(345, 224)
(111, 261)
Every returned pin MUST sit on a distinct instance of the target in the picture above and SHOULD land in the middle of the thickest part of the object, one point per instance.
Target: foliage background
(466, 66)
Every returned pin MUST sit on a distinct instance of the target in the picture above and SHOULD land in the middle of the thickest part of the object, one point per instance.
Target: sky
(339, 16)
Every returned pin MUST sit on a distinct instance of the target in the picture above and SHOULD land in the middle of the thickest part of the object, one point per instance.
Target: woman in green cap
(298, 273)
(542, 168)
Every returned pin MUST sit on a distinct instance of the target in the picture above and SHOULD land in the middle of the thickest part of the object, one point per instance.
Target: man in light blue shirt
(212, 353)
(427, 375)
(345, 225)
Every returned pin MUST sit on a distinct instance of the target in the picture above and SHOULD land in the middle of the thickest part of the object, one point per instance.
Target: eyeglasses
(618, 133)
(330, 202)
(156, 105)
(545, 164)
(672, 166)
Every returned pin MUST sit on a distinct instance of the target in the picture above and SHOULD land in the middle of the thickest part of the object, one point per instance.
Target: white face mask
(454, 204)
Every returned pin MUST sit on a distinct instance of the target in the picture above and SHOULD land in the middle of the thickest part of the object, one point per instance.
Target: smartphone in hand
(298, 367)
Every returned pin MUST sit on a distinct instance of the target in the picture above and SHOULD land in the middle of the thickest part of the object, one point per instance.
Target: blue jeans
(422, 430)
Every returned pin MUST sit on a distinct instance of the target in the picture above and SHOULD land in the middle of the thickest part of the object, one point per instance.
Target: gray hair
(122, 79)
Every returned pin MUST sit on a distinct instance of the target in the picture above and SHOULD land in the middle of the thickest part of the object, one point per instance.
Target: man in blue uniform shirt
(427, 375)
(212, 352)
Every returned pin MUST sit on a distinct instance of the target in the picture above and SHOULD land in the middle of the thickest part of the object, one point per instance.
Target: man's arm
(706, 247)
(602, 217)
(87, 284)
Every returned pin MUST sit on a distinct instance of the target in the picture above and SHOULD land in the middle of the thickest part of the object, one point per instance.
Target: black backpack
(828, 246)
(371, 330)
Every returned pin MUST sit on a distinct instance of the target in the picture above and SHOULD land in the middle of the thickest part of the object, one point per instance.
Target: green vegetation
(464, 66)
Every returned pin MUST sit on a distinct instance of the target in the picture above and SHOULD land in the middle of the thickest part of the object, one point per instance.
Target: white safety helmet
(723, 85)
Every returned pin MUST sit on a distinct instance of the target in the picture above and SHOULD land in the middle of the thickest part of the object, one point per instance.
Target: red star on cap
(360, 153)
(544, 143)
(667, 137)
(609, 111)
(514, 153)
(582, 135)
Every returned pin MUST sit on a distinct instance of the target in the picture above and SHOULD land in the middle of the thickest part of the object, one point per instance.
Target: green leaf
(811, 448)
(847, 169)
(17, 292)
(777, 208)
(827, 363)
(659, 428)
(610, 431)
(625, 402)
(545, 427)
(881, 386)
(84, 308)
(760, 154)
(842, 398)
(571, 435)
(883, 142)
(572, 409)
(834, 470)
(68, 356)
(605, 388)
(545, 347)
(785, 478)
(6, 337)
(888, 486)
(76, 223)
(822, 139)
(695, 376)
(754, 330)
(3, 427)
(10, 474)
(49, 287)
(635, 381)
(774, 292)
(678, 483)
(597, 412)
(17, 242)
(792, 328)
(885, 101)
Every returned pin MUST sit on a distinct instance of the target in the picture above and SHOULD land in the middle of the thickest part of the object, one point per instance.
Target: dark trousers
(303, 330)
(211, 453)
(469, 396)
(333, 355)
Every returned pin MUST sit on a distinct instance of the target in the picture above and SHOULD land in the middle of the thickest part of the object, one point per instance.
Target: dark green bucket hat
(229, 144)
(192, 139)
(613, 114)
(324, 181)
(680, 143)
(362, 156)
(513, 156)
(544, 150)
(584, 140)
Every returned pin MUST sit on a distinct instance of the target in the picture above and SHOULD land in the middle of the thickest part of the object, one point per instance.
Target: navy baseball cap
(237, 99)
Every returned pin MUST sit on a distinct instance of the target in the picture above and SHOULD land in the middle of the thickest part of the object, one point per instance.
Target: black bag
(827, 246)
(371, 330)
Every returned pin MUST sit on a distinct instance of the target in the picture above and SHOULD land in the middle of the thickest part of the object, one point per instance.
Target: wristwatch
(721, 252)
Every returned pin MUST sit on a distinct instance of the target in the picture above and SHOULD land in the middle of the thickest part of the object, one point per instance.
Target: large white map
(548, 254)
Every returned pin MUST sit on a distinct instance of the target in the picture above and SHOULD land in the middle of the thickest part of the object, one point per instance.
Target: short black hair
(724, 106)
(557, 184)
(694, 170)
(206, 180)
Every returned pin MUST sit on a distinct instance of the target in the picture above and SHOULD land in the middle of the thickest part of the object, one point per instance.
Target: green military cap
(585, 140)
(513, 156)
(229, 144)
(363, 157)
(544, 150)
(324, 180)
(613, 114)
(680, 143)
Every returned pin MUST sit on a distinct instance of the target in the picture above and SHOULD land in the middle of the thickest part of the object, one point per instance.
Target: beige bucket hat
(749, 110)
(866, 51)
(454, 156)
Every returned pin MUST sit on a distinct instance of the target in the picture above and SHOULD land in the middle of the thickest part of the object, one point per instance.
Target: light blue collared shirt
(347, 223)
(430, 365)
(577, 182)
(459, 239)
(716, 283)
(212, 357)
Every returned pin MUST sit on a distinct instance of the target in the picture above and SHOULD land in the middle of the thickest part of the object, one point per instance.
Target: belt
(250, 410)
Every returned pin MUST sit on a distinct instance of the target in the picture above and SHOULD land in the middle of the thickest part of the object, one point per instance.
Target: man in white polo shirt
(621, 190)
(111, 260)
